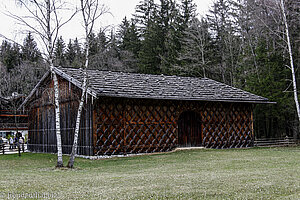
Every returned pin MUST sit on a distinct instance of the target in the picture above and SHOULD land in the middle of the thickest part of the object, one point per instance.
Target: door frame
(195, 124)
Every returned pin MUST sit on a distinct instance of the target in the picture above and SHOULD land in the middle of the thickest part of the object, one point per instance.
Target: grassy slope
(193, 174)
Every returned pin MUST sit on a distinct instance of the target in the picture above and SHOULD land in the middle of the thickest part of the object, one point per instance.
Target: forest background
(240, 43)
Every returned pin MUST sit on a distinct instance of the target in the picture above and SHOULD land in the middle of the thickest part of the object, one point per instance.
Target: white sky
(118, 8)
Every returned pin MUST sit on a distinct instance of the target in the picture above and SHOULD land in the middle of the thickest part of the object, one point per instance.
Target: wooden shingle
(146, 86)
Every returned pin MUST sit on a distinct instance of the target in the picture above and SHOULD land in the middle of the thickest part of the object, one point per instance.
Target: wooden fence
(265, 142)
(6, 148)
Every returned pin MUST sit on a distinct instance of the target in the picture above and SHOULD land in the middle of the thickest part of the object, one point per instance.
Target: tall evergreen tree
(94, 49)
(10, 55)
(270, 119)
(159, 25)
(70, 53)
(148, 59)
(162, 29)
(188, 12)
(148, 25)
(30, 51)
(74, 54)
(59, 52)
(98, 48)
(170, 22)
(145, 13)
(128, 37)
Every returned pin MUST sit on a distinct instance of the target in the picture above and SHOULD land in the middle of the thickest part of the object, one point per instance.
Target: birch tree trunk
(56, 87)
(90, 12)
(291, 60)
(81, 103)
(57, 118)
(43, 18)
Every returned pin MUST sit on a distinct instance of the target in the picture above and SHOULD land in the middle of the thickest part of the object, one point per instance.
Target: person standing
(11, 143)
(21, 143)
(2, 144)
(16, 142)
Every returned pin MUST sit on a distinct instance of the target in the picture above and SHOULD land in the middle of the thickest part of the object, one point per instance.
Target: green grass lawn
(258, 173)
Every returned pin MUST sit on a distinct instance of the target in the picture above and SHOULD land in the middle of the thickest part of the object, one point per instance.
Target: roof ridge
(133, 73)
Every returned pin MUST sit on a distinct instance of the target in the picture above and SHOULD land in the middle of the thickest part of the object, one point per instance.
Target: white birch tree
(44, 21)
(292, 67)
(91, 10)
(275, 19)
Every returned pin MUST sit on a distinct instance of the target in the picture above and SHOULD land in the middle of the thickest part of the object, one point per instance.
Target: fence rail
(265, 142)
(10, 149)
(2, 148)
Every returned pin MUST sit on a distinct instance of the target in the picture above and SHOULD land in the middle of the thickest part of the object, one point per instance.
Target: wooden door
(189, 130)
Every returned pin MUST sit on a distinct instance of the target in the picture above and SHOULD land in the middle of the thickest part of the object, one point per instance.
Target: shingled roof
(146, 86)
(133, 85)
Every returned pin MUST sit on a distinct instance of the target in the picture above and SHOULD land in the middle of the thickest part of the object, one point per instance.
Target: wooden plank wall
(142, 126)
(124, 126)
(42, 137)
(227, 125)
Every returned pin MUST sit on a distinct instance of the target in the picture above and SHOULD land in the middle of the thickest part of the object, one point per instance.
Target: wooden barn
(129, 113)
